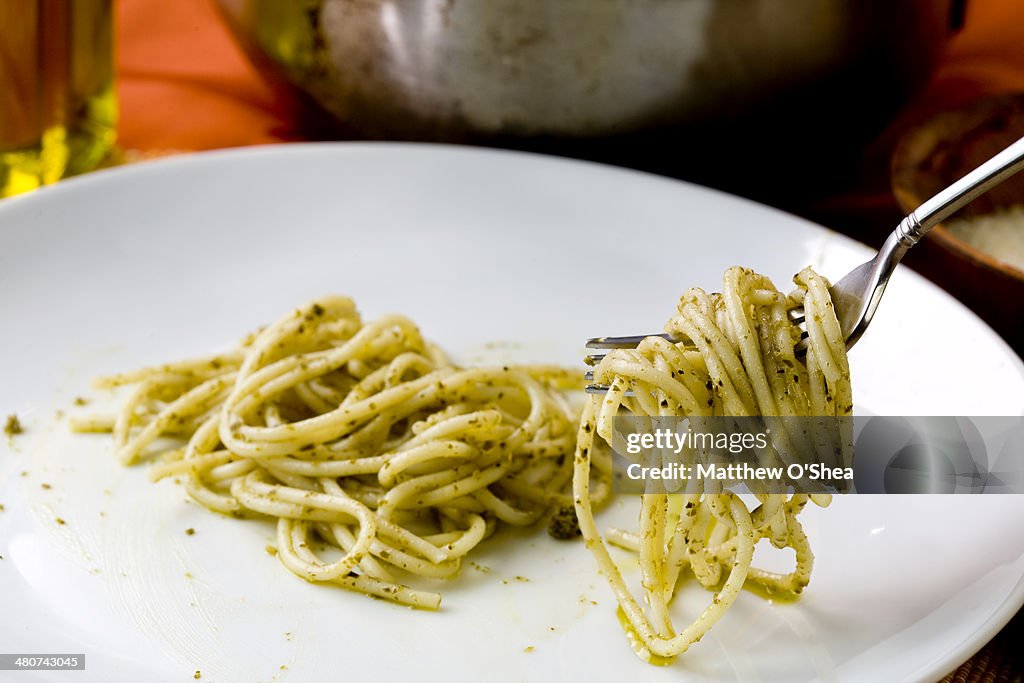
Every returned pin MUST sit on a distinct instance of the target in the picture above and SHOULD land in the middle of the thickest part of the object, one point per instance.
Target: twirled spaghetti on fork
(735, 356)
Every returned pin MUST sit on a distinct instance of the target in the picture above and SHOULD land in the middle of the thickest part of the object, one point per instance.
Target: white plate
(175, 258)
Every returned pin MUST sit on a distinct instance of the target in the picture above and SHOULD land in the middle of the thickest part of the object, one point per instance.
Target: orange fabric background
(185, 85)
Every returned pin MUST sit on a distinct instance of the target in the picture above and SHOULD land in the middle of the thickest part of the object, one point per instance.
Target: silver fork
(856, 296)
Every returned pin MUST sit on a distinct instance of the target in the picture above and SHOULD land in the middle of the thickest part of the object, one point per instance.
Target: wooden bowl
(934, 154)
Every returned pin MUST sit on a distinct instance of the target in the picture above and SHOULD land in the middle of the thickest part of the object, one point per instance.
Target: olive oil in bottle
(57, 103)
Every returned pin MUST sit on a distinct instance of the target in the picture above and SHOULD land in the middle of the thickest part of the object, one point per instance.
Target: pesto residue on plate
(13, 426)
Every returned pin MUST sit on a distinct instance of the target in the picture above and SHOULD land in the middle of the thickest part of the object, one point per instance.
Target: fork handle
(979, 181)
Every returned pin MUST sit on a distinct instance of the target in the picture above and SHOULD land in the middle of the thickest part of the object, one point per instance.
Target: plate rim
(981, 637)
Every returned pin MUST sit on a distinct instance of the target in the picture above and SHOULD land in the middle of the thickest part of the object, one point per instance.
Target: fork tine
(796, 316)
(603, 389)
(622, 342)
(801, 346)
(613, 343)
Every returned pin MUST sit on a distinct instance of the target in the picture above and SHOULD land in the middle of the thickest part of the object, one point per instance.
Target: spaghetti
(378, 458)
(736, 358)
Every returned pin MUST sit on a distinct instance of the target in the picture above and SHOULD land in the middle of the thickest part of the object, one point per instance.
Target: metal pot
(660, 84)
(451, 68)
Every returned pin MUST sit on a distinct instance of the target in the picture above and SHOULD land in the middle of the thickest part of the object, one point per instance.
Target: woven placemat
(1000, 661)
